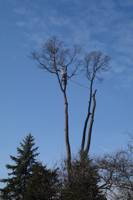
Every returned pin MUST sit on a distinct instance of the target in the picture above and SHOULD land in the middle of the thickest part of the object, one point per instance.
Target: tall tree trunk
(87, 119)
(91, 124)
(68, 148)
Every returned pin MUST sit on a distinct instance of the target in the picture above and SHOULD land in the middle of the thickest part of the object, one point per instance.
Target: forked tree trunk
(87, 119)
(91, 124)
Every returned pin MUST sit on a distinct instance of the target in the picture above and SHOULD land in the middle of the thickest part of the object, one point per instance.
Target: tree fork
(87, 118)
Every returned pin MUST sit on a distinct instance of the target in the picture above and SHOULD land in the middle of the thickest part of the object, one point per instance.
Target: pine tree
(43, 184)
(20, 171)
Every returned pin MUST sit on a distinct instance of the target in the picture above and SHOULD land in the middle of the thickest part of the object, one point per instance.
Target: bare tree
(94, 64)
(63, 63)
(116, 172)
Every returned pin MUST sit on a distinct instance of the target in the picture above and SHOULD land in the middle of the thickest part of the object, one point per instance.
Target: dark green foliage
(83, 184)
(43, 184)
(30, 180)
(20, 171)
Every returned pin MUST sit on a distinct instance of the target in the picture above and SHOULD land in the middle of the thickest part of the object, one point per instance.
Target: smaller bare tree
(116, 172)
(95, 63)
(62, 62)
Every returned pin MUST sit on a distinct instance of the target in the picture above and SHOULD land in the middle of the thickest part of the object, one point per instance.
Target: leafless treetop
(56, 58)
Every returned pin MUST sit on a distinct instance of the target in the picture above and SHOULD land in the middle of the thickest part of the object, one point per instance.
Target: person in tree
(64, 76)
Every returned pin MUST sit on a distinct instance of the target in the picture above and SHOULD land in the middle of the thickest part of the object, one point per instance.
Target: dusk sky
(30, 100)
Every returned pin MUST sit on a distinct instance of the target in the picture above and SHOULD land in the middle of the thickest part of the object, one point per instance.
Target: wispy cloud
(20, 10)
(105, 25)
(21, 24)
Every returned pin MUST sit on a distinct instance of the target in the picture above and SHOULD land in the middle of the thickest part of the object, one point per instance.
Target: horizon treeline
(108, 177)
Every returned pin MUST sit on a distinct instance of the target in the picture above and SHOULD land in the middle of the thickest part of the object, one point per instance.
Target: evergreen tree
(20, 171)
(43, 184)
(83, 184)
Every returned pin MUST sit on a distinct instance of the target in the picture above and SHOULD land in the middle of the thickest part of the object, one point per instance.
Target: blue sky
(30, 100)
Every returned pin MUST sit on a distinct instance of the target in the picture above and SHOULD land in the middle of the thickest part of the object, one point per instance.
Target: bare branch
(42, 65)
(96, 63)
(116, 171)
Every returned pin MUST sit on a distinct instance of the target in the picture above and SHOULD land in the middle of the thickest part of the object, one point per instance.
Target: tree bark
(87, 119)
(91, 124)
(68, 148)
